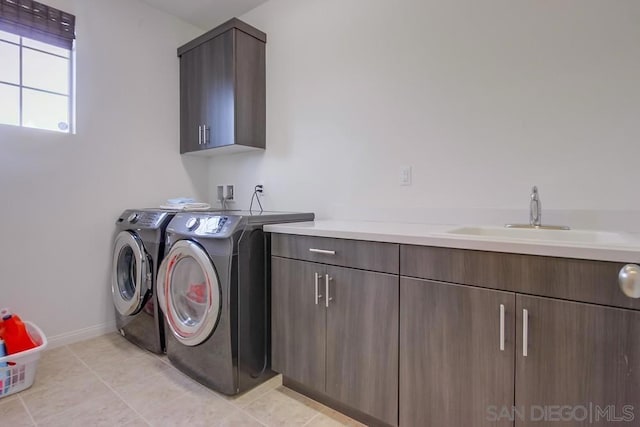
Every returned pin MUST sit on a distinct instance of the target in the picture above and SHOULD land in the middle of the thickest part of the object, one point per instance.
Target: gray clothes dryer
(214, 291)
(137, 252)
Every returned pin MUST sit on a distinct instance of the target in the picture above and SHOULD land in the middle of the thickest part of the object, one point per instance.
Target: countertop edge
(436, 239)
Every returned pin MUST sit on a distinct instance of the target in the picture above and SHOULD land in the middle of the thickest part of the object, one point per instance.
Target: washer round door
(189, 292)
(131, 273)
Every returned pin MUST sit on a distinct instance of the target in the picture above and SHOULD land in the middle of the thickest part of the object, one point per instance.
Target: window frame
(21, 86)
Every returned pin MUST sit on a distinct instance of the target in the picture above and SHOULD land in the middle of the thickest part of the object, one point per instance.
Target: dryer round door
(131, 273)
(189, 292)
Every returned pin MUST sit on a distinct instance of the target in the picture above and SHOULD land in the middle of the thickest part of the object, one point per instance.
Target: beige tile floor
(108, 381)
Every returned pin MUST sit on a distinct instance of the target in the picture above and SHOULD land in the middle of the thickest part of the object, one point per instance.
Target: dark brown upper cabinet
(222, 90)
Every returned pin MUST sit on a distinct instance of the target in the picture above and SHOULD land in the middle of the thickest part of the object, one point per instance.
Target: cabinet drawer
(374, 256)
(564, 278)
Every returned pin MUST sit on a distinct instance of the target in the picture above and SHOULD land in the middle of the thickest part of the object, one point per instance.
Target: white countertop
(437, 235)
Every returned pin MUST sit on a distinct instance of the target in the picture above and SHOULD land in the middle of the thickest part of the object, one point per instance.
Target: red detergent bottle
(16, 337)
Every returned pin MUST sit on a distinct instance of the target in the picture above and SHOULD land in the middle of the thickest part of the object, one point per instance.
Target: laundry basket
(17, 371)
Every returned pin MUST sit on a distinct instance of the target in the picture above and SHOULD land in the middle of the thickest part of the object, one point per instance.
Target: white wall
(61, 194)
(483, 98)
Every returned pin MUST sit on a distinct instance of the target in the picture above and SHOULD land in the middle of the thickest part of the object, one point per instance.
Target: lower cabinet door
(362, 341)
(577, 364)
(456, 355)
(298, 322)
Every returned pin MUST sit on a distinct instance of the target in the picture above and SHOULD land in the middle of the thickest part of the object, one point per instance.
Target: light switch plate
(405, 175)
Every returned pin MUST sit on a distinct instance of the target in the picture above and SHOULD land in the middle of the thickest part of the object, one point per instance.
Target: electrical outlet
(405, 175)
(225, 193)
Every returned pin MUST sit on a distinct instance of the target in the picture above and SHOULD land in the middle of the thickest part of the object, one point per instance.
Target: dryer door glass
(126, 273)
(190, 293)
(130, 274)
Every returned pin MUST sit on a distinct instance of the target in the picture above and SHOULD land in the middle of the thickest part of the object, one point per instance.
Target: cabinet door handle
(525, 332)
(322, 251)
(205, 131)
(200, 135)
(501, 327)
(317, 281)
(327, 279)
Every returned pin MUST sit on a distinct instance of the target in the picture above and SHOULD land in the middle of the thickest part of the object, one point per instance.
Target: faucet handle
(534, 192)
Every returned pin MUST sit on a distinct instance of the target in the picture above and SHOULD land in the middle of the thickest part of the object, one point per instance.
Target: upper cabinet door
(298, 321)
(193, 99)
(582, 356)
(362, 340)
(218, 91)
(456, 354)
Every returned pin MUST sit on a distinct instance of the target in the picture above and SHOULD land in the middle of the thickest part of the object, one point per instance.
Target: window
(36, 66)
(35, 84)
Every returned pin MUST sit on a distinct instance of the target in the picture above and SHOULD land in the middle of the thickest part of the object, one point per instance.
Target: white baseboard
(80, 335)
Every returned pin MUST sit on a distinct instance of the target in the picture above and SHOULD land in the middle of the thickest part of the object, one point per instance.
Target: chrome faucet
(535, 215)
(535, 209)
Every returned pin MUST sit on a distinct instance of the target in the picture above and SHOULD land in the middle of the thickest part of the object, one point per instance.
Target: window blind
(37, 21)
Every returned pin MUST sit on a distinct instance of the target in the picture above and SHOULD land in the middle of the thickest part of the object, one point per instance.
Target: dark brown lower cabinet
(345, 347)
(582, 364)
(576, 364)
(393, 349)
(298, 325)
(362, 341)
(456, 366)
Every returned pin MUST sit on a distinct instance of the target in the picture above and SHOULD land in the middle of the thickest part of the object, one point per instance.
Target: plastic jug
(16, 337)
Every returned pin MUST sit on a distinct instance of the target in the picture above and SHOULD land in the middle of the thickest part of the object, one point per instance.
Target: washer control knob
(629, 280)
(192, 223)
(133, 218)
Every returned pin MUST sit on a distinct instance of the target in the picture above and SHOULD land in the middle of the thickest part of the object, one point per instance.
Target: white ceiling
(205, 14)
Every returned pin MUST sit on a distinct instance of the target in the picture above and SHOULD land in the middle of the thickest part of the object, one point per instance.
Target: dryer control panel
(214, 224)
(142, 219)
(206, 225)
